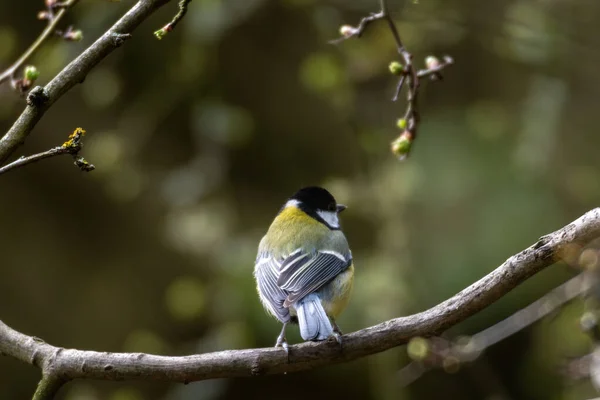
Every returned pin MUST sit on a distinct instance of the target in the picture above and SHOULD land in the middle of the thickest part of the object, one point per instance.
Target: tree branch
(73, 364)
(41, 98)
(468, 349)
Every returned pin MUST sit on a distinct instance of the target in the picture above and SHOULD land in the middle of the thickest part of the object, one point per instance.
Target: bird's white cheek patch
(331, 217)
(292, 203)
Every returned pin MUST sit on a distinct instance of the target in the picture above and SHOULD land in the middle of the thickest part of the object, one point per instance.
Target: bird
(304, 270)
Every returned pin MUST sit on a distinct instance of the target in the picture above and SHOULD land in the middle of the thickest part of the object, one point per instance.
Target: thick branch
(72, 364)
(40, 99)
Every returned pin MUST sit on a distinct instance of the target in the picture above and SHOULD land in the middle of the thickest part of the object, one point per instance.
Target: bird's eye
(332, 207)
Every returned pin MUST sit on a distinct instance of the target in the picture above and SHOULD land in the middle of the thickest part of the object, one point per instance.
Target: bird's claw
(338, 338)
(337, 334)
(281, 342)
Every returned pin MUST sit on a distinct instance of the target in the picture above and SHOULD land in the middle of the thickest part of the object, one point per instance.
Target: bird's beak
(340, 208)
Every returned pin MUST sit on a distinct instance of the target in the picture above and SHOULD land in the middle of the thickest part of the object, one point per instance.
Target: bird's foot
(282, 342)
(337, 334)
(338, 338)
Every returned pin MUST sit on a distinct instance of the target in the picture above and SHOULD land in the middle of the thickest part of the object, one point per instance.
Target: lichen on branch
(72, 146)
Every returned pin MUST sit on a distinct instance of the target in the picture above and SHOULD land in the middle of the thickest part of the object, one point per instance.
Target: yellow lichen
(74, 138)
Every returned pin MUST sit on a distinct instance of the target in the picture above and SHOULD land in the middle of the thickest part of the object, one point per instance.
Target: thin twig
(385, 10)
(76, 364)
(399, 88)
(10, 72)
(578, 368)
(72, 146)
(470, 348)
(183, 7)
(435, 69)
(55, 151)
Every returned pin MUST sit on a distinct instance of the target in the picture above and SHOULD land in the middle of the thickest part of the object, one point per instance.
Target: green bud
(31, 73)
(76, 36)
(160, 33)
(163, 31)
(401, 146)
(418, 348)
(401, 123)
(396, 68)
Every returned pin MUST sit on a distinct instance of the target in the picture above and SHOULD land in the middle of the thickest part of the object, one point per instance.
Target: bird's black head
(315, 198)
(319, 204)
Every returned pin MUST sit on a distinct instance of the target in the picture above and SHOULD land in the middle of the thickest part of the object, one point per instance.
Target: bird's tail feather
(313, 321)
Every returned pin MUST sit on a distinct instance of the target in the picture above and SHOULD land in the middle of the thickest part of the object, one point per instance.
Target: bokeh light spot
(8, 42)
(185, 298)
(321, 72)
(487, 119)
(223, 123)
(101, 88)
(126, 394)
(588, 259)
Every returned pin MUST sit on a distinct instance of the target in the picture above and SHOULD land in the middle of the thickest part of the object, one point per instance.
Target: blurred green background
(199, 138)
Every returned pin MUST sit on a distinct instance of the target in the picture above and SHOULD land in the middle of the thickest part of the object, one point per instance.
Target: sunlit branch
(71, 364)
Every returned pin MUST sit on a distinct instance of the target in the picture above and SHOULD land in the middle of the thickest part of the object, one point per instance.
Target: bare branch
(467, 349)
(22, 161)
(74, 364)
(537, 310)
(40, 99)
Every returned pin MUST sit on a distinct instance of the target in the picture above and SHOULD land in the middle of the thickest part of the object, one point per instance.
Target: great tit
(304, 271)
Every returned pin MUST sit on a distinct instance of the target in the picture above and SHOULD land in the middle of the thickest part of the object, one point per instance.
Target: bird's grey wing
(272, 296)
(303, 273)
